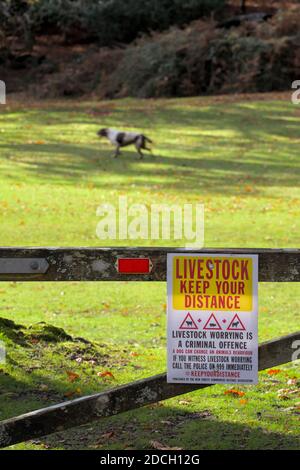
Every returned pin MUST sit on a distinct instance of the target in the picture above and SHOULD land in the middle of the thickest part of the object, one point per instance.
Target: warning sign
(236, 324)
(212, 324)
(212, 318)
(188, 323)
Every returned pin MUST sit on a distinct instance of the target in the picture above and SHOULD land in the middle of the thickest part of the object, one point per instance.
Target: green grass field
(237, 156)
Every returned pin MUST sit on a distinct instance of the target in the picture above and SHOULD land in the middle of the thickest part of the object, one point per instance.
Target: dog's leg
(117, 152)
(140, 153)
(138, 145)
(149, 150)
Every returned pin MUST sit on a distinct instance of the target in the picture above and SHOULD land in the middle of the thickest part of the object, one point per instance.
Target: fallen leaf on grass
(134, 354)
(105, 373)
(234, 392)
(72, 376)
(184, 402)
(243, 401)
(273, 371)
(159, 446)
(36, 142)
(105, 305)
(34, 341)
(71, 393)
(249, 189)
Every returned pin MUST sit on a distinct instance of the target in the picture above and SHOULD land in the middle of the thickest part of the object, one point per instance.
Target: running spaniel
(122, 139)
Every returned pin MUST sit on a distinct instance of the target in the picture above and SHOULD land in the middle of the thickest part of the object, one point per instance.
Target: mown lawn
(240, 158)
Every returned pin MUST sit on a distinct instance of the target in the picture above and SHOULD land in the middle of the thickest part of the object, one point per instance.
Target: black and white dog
(122, 139)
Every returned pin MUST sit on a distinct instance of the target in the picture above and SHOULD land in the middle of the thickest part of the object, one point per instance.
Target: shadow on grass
(70, 164)
(171, 427)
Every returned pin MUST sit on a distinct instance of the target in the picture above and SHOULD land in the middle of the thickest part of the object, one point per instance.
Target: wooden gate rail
(117, 400)
(104, 264)
(99, 264)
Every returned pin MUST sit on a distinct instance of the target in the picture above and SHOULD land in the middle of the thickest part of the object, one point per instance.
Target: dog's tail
(147, 139)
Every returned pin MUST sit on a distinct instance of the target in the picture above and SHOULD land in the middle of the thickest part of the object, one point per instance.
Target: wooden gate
(130, 264)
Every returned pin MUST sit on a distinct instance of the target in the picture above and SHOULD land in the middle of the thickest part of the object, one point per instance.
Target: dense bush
(202, 59)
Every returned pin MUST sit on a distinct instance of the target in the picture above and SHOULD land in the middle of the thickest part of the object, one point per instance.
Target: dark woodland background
(148, 48)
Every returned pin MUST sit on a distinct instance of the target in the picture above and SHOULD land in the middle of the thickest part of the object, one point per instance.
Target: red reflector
(133, 265)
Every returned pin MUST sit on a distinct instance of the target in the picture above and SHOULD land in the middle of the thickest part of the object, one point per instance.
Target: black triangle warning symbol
(212, 324)
(236, 324)
(188, 323)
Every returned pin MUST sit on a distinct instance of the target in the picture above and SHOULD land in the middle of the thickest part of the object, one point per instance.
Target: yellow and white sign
(212, 318)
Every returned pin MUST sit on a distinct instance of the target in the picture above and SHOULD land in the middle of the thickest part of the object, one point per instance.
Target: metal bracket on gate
(23, 265)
